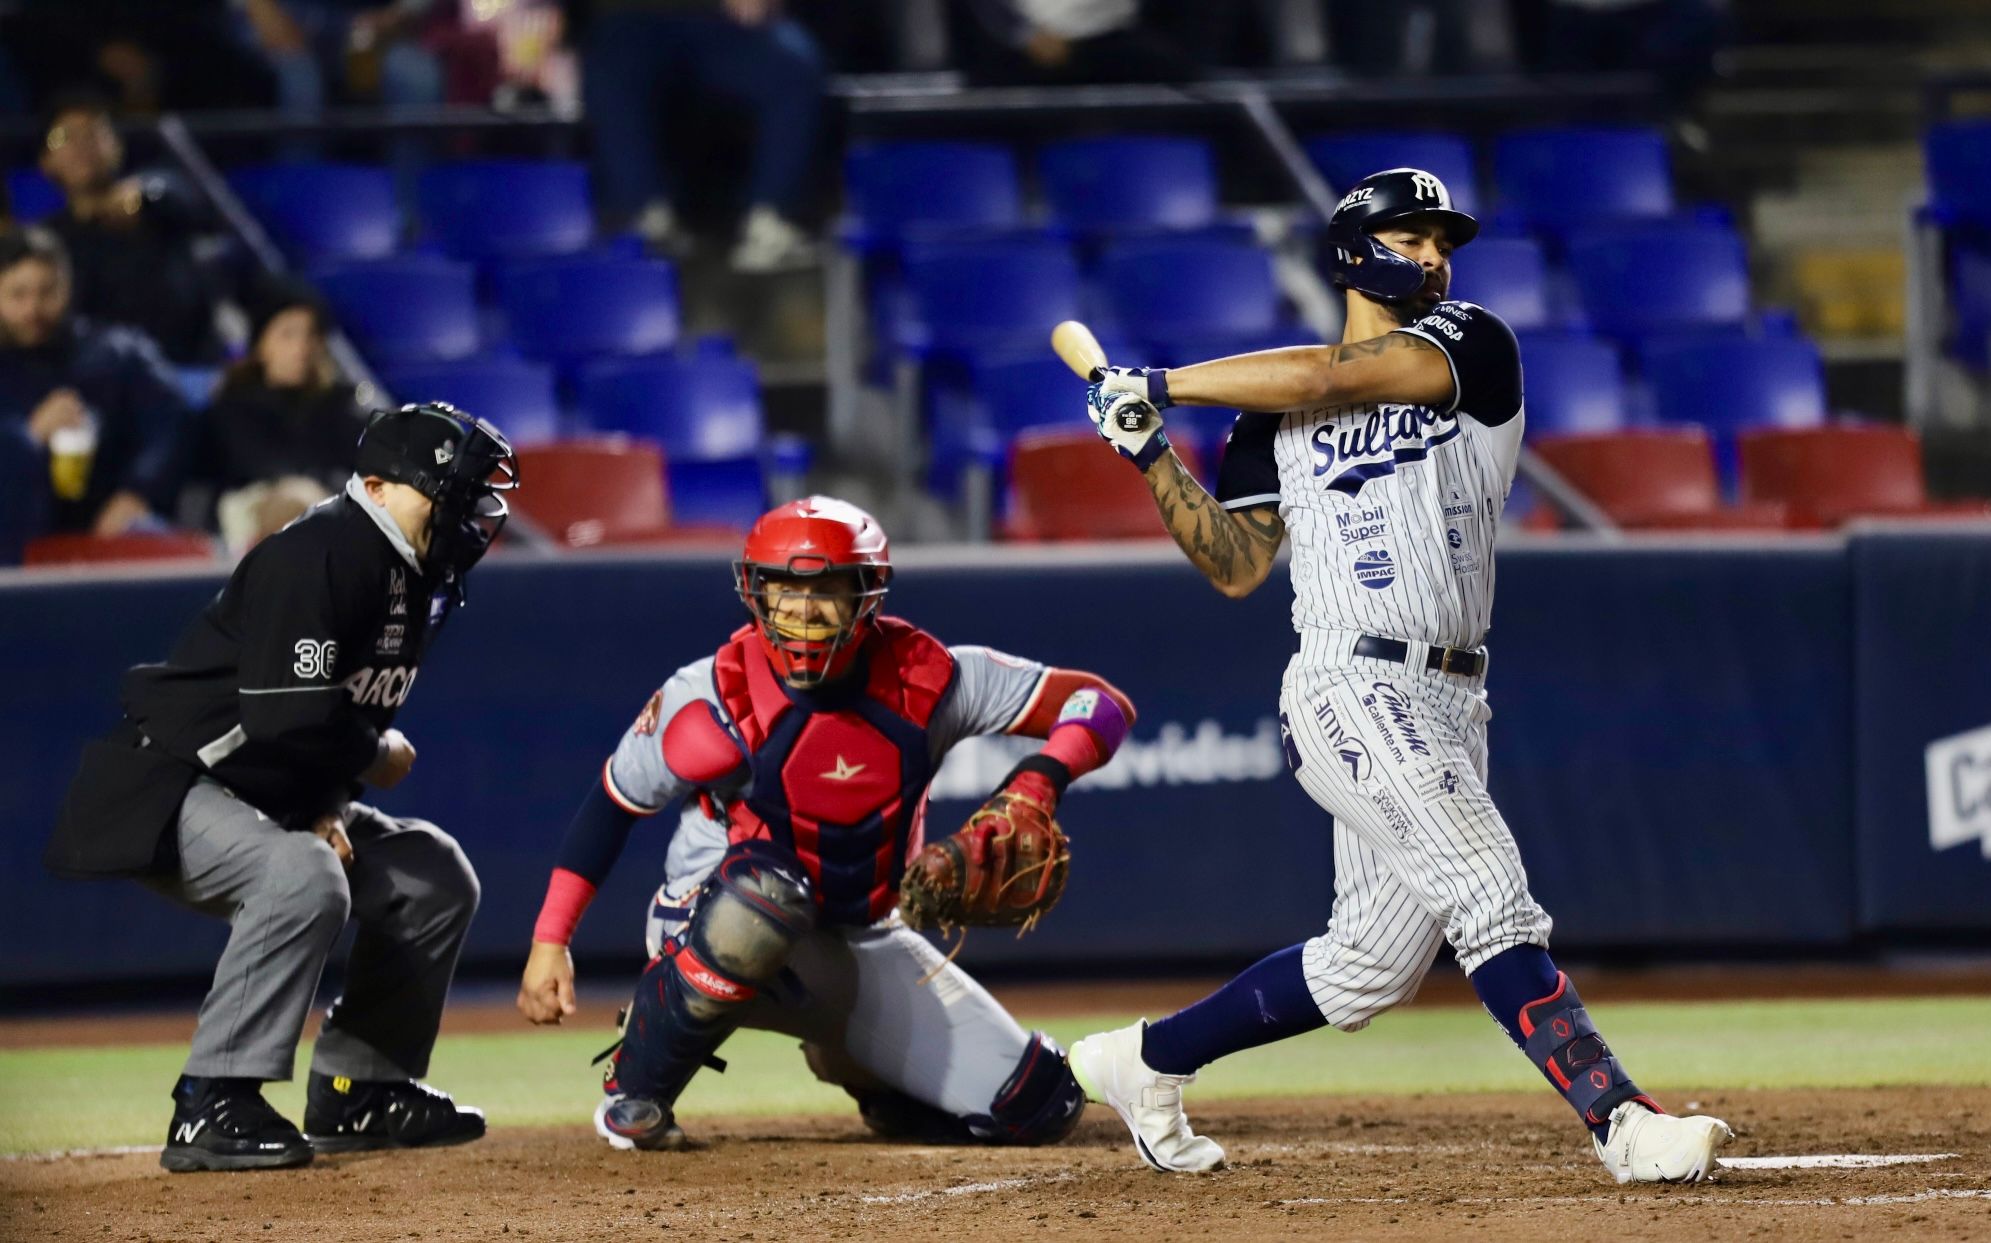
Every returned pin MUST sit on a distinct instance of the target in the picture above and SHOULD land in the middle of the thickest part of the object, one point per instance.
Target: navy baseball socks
(1267, 1001)
(1540, 1011)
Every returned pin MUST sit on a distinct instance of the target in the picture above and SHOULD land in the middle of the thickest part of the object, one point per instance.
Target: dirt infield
(1482, 1167)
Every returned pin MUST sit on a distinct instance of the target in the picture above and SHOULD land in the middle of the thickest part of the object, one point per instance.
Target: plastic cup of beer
(70, 452)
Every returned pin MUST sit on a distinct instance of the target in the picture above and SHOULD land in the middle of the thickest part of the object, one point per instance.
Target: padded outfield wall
(1714, 745)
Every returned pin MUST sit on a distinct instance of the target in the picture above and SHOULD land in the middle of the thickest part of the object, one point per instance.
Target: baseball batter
(1386, 460)
(794, 765)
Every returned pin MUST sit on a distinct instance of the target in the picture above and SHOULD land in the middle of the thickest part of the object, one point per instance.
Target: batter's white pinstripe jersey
(1392, 509)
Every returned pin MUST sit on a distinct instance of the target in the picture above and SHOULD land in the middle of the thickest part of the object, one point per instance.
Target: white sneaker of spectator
(770, 244)
(658, 227)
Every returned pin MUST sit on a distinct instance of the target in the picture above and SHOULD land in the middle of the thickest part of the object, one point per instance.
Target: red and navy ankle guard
(1563, 1043)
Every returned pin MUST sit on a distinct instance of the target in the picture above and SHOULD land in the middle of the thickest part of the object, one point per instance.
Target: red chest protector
(839, 773)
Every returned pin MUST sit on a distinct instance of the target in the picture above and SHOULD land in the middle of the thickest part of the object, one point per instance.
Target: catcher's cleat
(628, 1122)
(1109, 1067)
(1648, 1147)
(348, 1115)
(225, 1124)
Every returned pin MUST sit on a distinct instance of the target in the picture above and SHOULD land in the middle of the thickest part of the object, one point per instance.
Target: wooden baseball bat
(1075, 344)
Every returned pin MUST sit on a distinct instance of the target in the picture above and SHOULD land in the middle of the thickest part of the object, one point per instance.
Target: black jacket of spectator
(141, 416)
(144, 273)
(253, 432)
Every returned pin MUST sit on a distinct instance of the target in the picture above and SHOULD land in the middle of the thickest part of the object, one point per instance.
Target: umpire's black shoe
(225, 1124)
(347, 1115)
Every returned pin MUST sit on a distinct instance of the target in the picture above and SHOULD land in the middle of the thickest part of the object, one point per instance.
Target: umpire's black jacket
(280, 690)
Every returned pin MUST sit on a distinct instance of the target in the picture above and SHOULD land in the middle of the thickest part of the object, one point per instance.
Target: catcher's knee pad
(751, 911)
(1563, 1043)
(1039, 1103)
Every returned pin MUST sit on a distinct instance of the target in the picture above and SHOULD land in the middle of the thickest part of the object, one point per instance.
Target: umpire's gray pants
(410, 891)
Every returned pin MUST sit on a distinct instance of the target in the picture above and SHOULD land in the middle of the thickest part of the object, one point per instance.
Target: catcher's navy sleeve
(1485, 360)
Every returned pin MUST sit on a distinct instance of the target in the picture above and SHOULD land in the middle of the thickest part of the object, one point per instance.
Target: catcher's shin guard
(1039, 1103)
(747, 918)
(1563, 1043)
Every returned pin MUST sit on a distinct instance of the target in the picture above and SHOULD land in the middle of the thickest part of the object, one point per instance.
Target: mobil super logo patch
(1375, 569)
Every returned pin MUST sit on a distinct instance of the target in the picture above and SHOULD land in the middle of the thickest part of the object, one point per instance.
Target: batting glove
(1128, 422)
(1150, 384)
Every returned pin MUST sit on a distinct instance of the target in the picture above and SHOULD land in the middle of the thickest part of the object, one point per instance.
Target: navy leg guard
(1039, 1103)
(747, 918)
(1564, 1045)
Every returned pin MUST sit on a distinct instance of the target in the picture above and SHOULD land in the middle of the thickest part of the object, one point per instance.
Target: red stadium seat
(1066, 485)
(587, 493)
(89, 549)
(1659, 479)
(1827, 475)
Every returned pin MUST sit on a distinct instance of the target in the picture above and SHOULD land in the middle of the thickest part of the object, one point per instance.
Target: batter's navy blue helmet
(1363, 263)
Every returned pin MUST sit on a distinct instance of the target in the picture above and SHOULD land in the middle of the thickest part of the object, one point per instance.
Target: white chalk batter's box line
(1910, 1197)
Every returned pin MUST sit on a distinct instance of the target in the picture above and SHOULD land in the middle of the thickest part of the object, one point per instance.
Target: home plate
(1834, 1161)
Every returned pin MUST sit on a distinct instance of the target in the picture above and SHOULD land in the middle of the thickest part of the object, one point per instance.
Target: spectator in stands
(367, 49)
(151, 55)
(641, 58)
(90, 415)
(130, 238)
(1049, 42)
(1675, 40)
(280, 433)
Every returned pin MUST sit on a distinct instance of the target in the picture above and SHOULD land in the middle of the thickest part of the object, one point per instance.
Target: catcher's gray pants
(866, 1018)
(410, 891)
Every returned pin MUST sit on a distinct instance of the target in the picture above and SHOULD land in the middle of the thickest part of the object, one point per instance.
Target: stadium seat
(1066, 485)
(1347, 158)
(1827, 475)
(1572, 384)
(1507, 276)
(416, 308)
(1636, 280)
(705, 412)
(1958, 155)
(566, 311)
(1655, 478)
(91, 549)
(892, 188)
(609, 491)
(513, 393)
(1554, 178)
(1186, 298)
(1727, 385)
(1132, 182)
(323, 212)
(500, 209)
(968, 296)
(31, 196)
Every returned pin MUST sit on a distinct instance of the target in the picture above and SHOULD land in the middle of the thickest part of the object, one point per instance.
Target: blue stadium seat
(1574, 384)
(1742, 383)
(323, 212)
(32, 196)
(1971, 288)
(513, 393)
(1558, 178)
(1507, 276)
(417, 308)
(1958, 154)
(1637, 280)
(973, 296)
(891, 188)
(705, 411)
(566, 311)
(1133, 182)
(1347, 158)
(499, 209)
(1191, 297)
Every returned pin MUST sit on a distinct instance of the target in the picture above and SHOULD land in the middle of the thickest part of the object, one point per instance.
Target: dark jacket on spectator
(145, 274)
(141, 416)
(253, 432)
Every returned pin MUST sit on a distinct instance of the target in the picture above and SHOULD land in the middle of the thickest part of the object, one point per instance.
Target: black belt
(1459, 660)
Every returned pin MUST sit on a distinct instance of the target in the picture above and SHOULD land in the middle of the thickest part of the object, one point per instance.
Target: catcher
(799, 757)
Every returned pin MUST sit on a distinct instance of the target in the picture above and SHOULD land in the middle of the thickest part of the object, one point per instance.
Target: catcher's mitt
(1005, 868)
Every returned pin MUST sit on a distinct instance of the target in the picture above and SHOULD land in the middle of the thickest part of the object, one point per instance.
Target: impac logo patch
(1374, 569)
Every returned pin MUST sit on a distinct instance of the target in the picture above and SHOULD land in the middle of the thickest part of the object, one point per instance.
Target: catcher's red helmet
(797, 542)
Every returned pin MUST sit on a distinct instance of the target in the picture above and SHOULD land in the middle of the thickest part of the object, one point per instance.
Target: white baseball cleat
(1648, 1147)
(1109, 1067)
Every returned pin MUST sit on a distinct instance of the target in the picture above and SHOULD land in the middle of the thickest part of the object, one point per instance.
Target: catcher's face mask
(813, 615)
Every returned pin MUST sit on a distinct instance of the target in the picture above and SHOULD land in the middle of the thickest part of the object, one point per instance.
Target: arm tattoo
(1230, 549)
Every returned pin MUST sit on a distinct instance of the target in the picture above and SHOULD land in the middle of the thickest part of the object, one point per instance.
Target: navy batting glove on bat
(1128, 423)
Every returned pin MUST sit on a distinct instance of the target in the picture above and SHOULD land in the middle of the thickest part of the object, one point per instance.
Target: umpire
(230, 788)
